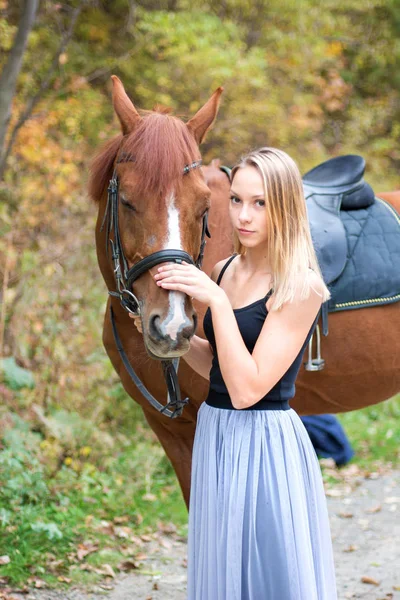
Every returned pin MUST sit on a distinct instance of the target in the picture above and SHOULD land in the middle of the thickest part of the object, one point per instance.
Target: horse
(164, 196)
(392, 197)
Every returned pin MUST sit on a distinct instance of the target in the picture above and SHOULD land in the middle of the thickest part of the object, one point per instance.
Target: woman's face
(247, 207)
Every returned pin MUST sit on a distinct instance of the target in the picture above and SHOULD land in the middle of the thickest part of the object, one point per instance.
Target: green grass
(374, 433)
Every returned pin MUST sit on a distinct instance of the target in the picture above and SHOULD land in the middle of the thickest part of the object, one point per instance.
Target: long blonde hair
(290, 249)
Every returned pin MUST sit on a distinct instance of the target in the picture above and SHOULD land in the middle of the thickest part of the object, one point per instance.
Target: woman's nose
(244, 215)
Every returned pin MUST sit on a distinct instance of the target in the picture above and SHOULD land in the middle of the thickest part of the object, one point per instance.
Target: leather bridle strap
(124, 279)
(154, 259)
(170, 368)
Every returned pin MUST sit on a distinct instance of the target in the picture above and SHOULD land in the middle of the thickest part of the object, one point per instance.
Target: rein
(124, 280)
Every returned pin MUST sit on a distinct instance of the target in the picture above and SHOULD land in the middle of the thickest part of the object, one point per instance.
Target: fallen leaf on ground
(334, 493)
(374, 509)
(141, 556)
(85, 549)
(123, 532)
(107, 570)
(369, 580)
(167, 527)
(346, 515)
(350, 548)
(136, 540)
(128, 565)
(121, 520)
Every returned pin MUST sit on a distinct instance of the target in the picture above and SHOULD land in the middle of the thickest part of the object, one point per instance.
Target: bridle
(125, 278)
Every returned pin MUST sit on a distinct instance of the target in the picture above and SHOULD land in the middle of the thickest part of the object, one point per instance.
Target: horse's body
(392, 197)
(362, 350)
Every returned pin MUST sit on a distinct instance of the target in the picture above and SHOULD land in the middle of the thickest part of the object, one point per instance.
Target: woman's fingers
(137, 322)
(173, 270)
(174, 285)
(176, 279)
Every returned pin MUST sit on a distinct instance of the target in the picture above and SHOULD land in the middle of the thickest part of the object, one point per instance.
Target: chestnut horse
(160, 208)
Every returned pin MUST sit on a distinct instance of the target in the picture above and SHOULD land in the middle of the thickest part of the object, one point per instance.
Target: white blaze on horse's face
(176, 318)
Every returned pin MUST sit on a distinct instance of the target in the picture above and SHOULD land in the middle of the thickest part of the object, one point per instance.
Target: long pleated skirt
(258, 519)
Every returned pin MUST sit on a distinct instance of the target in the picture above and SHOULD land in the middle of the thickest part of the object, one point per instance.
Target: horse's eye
(126, 203)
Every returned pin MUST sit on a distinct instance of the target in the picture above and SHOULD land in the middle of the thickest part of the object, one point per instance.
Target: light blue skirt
(258, 519)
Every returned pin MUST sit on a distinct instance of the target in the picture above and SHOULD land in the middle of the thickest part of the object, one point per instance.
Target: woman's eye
(262, 202)
(234, 198)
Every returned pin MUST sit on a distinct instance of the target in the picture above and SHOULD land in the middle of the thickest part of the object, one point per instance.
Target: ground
(364, 515)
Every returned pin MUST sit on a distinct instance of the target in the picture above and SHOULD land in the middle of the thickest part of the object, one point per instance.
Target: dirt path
(365, 525)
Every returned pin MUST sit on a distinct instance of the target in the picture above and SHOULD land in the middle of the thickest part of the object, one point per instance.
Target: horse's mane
(160, 146)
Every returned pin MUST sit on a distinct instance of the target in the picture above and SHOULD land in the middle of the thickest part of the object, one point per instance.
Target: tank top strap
(268, 294)
(230, 259)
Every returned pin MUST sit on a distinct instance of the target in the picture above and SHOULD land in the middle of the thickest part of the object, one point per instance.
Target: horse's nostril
(154, 327)
(188, 331)
(160, 330)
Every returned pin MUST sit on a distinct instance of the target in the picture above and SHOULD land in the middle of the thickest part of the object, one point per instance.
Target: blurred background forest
(316, 79)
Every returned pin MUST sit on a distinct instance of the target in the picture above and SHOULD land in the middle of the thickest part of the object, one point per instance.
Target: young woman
(258, 520)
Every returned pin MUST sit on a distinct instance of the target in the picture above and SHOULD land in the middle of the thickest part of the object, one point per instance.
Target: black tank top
(250, 320)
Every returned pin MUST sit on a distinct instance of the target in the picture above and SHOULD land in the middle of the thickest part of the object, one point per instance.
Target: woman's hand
(188, 279)
(137, 322)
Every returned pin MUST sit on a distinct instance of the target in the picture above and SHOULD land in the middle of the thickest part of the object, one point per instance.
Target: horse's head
(159, 202)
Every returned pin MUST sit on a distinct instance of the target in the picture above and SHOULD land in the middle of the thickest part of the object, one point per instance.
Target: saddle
(356, 236)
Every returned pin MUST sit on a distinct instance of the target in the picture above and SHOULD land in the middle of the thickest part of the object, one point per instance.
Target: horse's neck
(220, 244)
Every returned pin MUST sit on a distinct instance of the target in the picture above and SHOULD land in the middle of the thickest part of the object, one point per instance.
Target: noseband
(124, 280)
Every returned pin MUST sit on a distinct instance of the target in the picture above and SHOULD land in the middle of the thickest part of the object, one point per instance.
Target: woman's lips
(245, 231)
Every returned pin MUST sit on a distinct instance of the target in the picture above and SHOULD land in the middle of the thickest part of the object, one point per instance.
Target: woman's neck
(256, 261)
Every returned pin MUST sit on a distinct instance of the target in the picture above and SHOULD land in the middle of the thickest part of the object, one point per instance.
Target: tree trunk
(8, 78)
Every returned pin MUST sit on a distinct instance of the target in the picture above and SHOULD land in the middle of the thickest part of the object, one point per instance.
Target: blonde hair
(290, 248)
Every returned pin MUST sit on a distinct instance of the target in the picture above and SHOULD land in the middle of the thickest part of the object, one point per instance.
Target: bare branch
(11, 70)
(32, 102)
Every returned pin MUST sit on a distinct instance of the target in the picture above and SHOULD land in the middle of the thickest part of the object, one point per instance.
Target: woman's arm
(249, 377)
(199, 355)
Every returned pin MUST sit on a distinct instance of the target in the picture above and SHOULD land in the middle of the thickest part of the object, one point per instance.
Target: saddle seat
(342, 170)
(356, 236)
(332, 186)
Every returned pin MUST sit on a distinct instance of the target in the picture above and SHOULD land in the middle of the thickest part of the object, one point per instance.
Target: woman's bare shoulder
(217, 268)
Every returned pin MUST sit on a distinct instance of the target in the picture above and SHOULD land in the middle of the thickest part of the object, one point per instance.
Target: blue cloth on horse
(328, 438)
(258, 518)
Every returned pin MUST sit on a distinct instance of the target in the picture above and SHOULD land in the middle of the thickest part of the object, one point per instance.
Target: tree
(5, 150)
(8, 78)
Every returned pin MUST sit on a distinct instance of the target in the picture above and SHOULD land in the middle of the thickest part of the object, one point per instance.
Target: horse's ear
(123, 106)
(205, 117)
